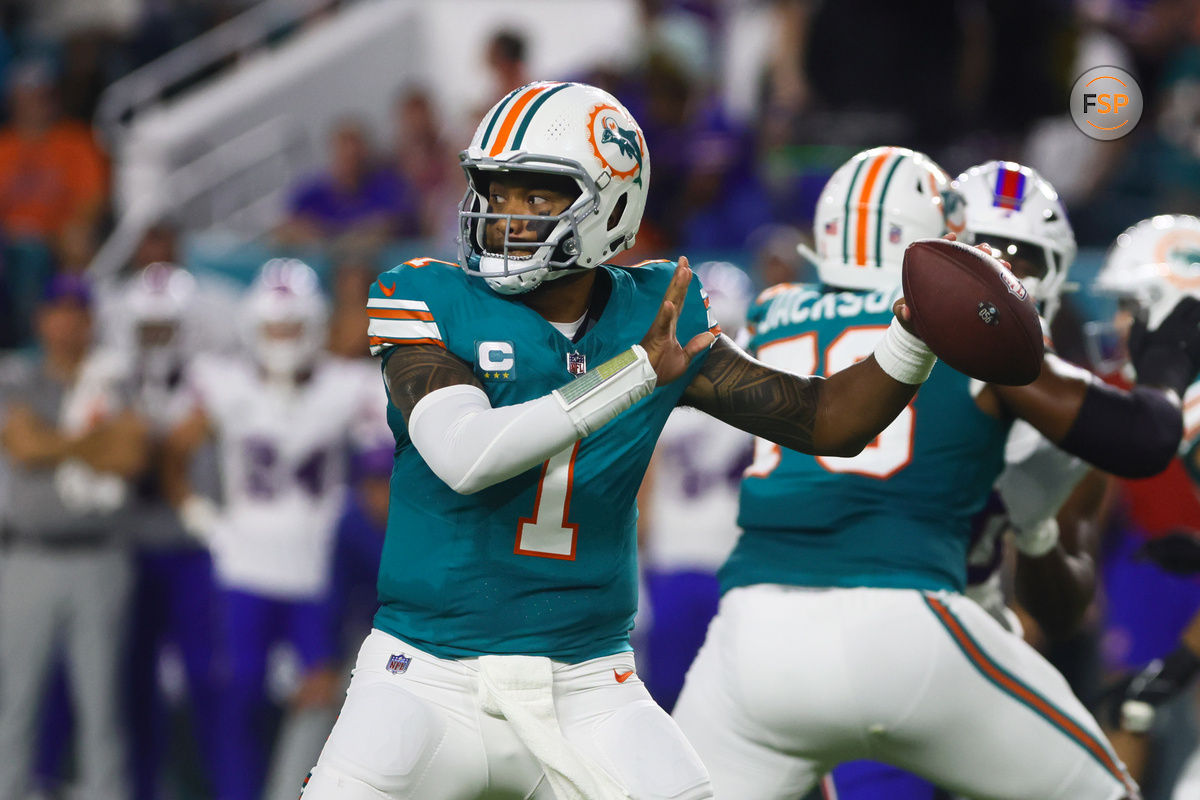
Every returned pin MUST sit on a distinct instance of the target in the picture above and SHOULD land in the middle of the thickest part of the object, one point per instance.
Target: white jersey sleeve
(1038, 476)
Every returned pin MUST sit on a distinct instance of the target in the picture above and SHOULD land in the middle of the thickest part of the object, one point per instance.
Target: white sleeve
(470, 445)
(1038, 476)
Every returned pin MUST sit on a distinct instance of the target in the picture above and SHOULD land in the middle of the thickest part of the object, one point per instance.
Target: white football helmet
(286, 292)
(560, 129)
(873, 207)
(1154, 263)
(1016, 210)
(156, 304)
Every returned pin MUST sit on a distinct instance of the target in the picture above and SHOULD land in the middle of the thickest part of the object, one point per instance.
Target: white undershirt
(569, 329)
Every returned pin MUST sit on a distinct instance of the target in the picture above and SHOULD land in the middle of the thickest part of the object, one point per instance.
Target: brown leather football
(972, 312)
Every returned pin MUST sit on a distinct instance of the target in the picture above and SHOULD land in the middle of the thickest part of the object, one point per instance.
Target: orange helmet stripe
(864, 210)
(514, 113)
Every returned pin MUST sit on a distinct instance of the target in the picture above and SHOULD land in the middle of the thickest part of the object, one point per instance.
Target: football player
(528, 384)
(173, 594)
(284, 422)
(889, 660)
(1029, 228)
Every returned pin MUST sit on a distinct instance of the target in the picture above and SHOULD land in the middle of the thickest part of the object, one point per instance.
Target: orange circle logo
(617, 147)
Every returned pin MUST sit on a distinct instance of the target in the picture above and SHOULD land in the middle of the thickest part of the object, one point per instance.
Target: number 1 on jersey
(547, 533)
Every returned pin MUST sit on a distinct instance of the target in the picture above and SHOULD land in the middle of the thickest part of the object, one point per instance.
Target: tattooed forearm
(748, 394)
(414, 371)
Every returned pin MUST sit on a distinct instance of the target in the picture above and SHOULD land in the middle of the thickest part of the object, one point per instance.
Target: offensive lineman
(889, 661)
(1056, 579)
(525, 412)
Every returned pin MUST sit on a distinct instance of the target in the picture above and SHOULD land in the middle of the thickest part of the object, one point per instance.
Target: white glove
(199, 516)
(1037, 539)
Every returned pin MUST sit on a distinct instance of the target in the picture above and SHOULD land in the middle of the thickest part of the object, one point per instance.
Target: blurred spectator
(506, 61)
(777, 258)
(71, 444)
(51, 173)
(355, 269)
(159, 245)
(427, 163)
(52, 186)
(352, 197)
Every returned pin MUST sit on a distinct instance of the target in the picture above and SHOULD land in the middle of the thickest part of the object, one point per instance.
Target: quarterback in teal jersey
(842, 632)
(527, 385)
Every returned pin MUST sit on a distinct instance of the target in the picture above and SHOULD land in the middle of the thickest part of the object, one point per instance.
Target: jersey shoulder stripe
(398, 309)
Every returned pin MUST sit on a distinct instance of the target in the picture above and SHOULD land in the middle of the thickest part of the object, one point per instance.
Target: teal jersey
(898, 515)
(544, 563)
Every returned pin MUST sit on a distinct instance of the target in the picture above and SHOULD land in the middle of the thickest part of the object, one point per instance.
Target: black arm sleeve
(1131, 434)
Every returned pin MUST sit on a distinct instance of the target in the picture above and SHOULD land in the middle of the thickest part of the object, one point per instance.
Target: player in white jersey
(173, 593)
(284, 421)
(687, 508)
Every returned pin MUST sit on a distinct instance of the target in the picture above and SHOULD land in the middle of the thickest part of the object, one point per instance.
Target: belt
(62, 543)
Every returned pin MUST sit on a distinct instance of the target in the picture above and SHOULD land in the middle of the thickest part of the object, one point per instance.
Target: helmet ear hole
(614, 219)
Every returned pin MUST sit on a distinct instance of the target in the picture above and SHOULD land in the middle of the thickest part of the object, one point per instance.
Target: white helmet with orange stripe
(574, 135)
(286, 317)
(1016, 210)
(872, 208)
(1154, 263)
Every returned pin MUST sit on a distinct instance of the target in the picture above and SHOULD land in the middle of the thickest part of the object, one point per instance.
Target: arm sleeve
(1038, 477)
(471, 446)
(1132, 434)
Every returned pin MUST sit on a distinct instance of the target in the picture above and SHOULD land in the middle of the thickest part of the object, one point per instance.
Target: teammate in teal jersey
(525, 411)
(842, 633)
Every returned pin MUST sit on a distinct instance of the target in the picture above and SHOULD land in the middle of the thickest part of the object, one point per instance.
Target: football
(972, 312)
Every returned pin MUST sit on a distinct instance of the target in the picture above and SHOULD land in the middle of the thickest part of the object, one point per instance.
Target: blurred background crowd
(217, 135)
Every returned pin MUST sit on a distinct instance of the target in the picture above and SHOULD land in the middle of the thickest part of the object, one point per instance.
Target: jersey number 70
(891, 450)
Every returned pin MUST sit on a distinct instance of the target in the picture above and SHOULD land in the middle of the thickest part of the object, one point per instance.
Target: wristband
(904, 356)
(1039, 539)
(598, 395)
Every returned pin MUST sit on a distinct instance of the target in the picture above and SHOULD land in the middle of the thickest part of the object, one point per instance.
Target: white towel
(521, 690)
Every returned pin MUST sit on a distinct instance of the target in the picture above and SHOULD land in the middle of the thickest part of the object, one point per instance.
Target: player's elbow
(1128, 434)
(465, 484)
(846, 448)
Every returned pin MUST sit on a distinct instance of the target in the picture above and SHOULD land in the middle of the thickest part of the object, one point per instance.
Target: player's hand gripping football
(666, 356)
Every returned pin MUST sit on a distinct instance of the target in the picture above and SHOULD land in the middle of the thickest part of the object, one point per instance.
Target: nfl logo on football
(398, 664)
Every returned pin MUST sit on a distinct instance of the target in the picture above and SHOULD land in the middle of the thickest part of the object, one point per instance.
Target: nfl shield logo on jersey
(398, 664)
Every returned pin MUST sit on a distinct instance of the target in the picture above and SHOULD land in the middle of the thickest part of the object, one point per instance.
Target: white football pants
(442, 729)
(793, 681)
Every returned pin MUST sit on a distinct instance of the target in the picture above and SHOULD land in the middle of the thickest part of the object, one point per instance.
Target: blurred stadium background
(218, 134)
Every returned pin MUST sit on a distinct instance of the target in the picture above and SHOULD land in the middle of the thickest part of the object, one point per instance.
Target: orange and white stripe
(394, 321)
(713, 327)
(507, 123)
(1191, 417)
